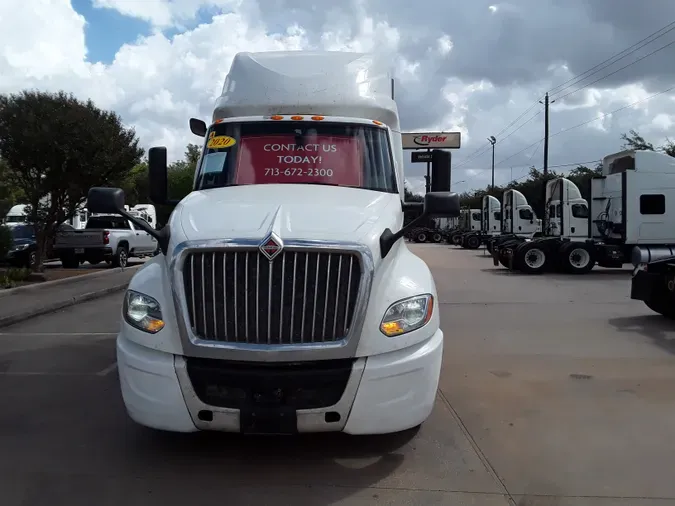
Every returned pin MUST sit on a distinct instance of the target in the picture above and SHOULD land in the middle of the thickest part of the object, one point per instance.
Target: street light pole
(492, 140)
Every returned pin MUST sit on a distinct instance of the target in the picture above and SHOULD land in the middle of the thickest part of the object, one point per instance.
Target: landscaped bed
(12, 277)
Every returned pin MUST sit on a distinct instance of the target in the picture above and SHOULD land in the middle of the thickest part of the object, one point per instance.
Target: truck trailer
(284, 299)
(628, 211)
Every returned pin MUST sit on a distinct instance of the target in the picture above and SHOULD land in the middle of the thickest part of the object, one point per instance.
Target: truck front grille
(239, 296)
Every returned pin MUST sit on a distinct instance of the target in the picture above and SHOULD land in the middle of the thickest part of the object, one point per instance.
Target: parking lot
(555, 391)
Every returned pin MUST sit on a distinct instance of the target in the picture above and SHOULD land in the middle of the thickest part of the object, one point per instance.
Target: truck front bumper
(382, 394)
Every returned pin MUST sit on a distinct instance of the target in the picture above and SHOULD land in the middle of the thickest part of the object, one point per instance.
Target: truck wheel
(662, 303)
(457, 239)
(530, 258)
(421, 237)
(501, 251)
(30, 261)
(472, 242)
(576, 258)
(436, 237)
(121, 257)
(70, 262)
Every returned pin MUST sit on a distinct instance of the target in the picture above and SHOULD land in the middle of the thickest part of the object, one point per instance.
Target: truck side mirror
(440, 170)
(198, 127)
(442, 204)
(157, 175)
(105, 200)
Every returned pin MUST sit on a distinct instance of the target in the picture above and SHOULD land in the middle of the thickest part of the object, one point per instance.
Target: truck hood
(309, 212)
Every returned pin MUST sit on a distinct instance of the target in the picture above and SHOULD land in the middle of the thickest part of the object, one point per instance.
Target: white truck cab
(567, 210)
(491, 216)
(285, 300)
(518, 217)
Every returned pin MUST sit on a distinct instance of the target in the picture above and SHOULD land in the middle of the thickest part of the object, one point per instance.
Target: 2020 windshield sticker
(270, 159)
(220, 141)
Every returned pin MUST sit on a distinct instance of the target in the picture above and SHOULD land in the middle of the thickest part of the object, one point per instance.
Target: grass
(9, 278)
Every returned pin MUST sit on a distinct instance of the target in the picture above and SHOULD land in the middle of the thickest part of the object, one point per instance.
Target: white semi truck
(628, 215)
(490, 224)
(284, 299)
(469, 221)
(519, 221)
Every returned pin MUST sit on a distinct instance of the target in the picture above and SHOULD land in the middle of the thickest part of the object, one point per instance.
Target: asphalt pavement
(555, 391)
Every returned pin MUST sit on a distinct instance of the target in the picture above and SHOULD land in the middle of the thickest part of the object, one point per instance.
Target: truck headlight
(407, 315)
(143, 312)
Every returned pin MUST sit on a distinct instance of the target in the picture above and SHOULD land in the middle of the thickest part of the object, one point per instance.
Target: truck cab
(491, 216)
(566, 210)
(284, 299)
(518, 217)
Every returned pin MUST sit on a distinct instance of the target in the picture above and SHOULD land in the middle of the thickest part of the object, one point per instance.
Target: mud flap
(642, 285)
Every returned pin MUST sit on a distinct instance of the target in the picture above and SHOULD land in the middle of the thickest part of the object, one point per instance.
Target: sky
(477, 67)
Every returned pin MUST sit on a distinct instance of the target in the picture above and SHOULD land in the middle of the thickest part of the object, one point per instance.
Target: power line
(487, 148)
(579, 125)
(613, 112)
(618, 70)
(613, 59)
(578, 78)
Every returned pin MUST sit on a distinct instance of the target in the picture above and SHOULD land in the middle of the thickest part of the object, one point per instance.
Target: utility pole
(546, 103)
(492, 140)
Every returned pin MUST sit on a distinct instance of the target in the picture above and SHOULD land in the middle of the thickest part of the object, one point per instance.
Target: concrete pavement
(555, 391)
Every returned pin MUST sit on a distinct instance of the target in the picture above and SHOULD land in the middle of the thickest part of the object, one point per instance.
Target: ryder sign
(431, 140)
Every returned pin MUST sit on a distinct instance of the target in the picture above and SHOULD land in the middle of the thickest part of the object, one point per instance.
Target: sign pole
(428, 186)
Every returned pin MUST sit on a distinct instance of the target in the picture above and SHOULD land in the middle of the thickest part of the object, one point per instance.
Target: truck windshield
(339, 154)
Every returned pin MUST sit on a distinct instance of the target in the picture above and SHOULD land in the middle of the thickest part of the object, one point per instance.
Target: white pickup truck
(106, 238)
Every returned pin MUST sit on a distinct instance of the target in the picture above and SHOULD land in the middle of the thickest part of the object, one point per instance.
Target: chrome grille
(239, 296)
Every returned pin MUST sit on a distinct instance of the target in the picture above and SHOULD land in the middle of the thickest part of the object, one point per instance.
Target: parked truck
(519, 221)
(490, 224)
(106, 238)
(628, 210)
(284, 299)
(469, 221)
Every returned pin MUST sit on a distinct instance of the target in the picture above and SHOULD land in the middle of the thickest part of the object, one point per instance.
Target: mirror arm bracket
(389, 238)
(163, 236)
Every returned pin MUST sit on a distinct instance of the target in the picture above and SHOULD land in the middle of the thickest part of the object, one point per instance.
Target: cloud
(471, 66)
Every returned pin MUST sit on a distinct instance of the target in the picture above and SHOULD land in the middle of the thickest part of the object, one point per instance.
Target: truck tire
(421, 236)
(70, 262)
(472, 242)
(662, 304)
(531, 258)
(436, 237)
(457, 239)
(121, 257)
(501, 251)
(576, 258)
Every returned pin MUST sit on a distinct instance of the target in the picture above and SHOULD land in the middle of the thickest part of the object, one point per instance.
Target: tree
(58, 147)
(633, 140)
(9, 194)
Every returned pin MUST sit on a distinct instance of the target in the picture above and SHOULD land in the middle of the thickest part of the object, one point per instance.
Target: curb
(66, 281)
(6, 321)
